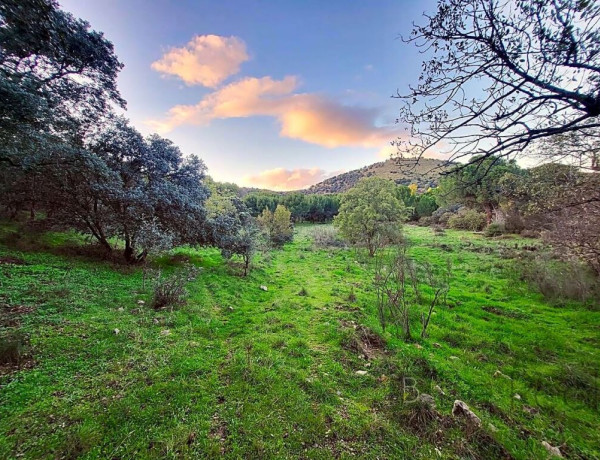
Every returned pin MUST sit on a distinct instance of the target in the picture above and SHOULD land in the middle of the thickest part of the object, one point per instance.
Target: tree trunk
(128, 254)
(489, 212)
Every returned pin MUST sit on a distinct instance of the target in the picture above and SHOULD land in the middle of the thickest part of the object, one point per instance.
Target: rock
(116, 331)
(498, 373)
(141, 302)
(165, 332)
(361, 372)
(436, 345)
(230, 308)
(439, 390)
(454, 358)
(418, 346)
(460, 409)
(264, 288)
(554, 451)
(517, 396)
(426, 400)
(120, 309)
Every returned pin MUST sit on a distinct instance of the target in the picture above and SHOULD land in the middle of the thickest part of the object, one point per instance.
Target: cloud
(286, 179)
(206, 60)
(305, 116)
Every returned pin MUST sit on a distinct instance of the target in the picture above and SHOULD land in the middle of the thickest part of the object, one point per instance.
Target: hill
(425, 173)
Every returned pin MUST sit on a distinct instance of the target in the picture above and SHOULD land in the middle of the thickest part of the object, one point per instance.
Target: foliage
(169, 291)
(418, 204)
(326, 237)
(303, 207)
(495, 229)
(371, 214)
(500, 75)
(565, 203)
(467, 219)
(560, 280)
(57, 79)
(277, 225)
(477, 184)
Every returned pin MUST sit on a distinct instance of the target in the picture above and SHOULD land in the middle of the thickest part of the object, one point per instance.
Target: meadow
(240, 372)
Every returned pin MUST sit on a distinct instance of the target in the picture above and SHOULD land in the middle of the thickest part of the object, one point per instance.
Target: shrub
(558, 280)
(494, 229)
(326, 237)
(170, 291)
(277, 225)
(441, 215)
(425, 221)
(468, 219)
(13, 348)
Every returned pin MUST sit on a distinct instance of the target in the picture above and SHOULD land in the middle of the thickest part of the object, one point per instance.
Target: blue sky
(273, 94)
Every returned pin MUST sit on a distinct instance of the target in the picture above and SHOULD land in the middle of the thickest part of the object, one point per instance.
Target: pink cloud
(286, 179)
(206, 60)
(309, 117)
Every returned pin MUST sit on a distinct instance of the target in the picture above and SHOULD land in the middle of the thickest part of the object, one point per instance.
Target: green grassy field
(242, 373)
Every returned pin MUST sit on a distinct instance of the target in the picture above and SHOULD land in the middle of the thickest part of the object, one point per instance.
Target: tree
(476, 184)
(503, 74)
(277, 225)
(563, 203)
(57, 78)
(121, 185)
(371, 214)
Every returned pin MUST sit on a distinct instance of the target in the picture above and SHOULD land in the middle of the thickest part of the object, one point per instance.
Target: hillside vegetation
(425, 173)
(299, 370)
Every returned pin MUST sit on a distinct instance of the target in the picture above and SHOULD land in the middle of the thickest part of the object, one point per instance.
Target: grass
(238, 372)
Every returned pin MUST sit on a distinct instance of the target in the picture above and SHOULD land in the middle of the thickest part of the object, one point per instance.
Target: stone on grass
(116, 331)
(499, 373)
(460, 409)
(361, 372)
(553, 451)
(264, 288)
(517, 396)
(454, 358)
(436, 345)
(141, 302)
(165, 332)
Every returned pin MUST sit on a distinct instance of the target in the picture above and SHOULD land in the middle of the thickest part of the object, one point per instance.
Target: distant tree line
(324, 207)
(303, 207)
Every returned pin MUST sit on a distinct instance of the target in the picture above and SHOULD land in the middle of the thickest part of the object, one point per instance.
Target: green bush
(495, 229)
(467, 219)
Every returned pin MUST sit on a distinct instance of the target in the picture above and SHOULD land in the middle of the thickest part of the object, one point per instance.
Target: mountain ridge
(424, 172)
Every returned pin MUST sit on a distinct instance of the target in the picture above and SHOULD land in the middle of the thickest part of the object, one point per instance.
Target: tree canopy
(57, 78)
(371, 214)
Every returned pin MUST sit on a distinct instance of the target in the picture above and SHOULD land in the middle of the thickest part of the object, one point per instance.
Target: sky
(279, 94)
